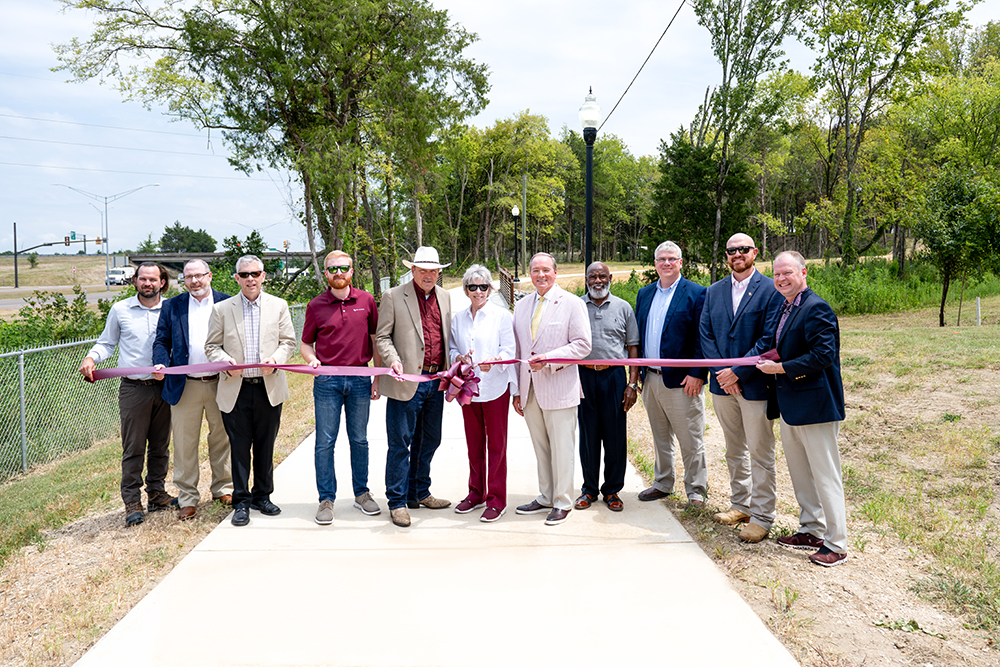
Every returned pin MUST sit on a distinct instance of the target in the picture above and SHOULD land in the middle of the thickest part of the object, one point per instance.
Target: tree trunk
(945, 282)
(307, 193)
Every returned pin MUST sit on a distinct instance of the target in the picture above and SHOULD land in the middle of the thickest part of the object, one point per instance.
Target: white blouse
(489, 335)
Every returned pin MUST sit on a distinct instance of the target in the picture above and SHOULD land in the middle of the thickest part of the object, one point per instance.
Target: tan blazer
(400, 336)
(563, 333)
(225, 342)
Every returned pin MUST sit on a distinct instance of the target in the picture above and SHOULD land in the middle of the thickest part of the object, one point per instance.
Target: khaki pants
(553, 433)
(749, 455)
(672, 413)
(198, 400)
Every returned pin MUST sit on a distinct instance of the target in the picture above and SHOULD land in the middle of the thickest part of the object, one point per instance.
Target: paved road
(94, 292)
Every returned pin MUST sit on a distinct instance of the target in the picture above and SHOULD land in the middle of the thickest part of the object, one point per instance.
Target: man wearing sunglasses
(251, 328)
(339, 330)
(736, 309)
(180, 340)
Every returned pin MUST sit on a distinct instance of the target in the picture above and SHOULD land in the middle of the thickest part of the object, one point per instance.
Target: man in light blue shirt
(145, 416)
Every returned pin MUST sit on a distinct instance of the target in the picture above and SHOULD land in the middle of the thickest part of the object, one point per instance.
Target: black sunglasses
(481, 288)
(249, 274)
(743, 249)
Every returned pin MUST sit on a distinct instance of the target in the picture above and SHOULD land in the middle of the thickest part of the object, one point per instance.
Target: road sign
(72, 236)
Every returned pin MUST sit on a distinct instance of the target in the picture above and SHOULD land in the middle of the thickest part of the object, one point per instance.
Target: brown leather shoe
(430, 502)
(732, 517)
(225, 500)
(584, 501)
(400, 517)
(556, 517)
(652, 493)
(695, 504)
(753, 533)
(614, 503)
(187, 513)
(534, 507)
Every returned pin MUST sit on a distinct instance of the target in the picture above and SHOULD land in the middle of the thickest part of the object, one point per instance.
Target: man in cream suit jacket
(551, 324)
(414, 321)
(252, 327)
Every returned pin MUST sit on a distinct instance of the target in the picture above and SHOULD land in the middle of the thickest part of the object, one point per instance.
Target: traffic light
(67, 240)
(286, 245)
(98, 240)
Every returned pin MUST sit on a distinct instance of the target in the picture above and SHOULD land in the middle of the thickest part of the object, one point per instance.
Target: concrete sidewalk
(603, 588)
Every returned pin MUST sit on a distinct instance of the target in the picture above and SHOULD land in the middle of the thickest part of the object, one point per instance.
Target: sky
(58, 138)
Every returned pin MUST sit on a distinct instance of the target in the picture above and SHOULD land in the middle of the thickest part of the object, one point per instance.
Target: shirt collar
(248, 302)
(742, 283)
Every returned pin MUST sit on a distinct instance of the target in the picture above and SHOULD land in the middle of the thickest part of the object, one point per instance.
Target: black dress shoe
(241, 516)
(652, 493)
(534, 507)
(266, 507)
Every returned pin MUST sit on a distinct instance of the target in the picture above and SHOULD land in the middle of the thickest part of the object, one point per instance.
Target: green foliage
(50, 318)
(179, 238)
(148, 246)
(223, 269)
(33, 259)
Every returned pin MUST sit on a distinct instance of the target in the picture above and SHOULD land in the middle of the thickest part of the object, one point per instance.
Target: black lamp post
(590, 118)
(515, 212)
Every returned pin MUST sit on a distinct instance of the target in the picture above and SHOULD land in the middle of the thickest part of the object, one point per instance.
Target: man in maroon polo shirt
(340, 331)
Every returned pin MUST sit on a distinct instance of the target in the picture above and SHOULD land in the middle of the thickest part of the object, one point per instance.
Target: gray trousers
(813, 459)
(749, 438)
(198, 401)
(672, 413)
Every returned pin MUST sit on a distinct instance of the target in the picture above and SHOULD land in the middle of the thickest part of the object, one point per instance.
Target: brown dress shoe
(430, 502)
(614, 503)
(187, 513)
(226, 499)
(584, 501)
(732, 517)
(652, 493)
(753, 533)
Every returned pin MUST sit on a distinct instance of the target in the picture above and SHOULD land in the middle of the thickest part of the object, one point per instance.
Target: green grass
(57, 495)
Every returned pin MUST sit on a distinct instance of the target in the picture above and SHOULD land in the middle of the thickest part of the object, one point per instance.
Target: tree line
(888, 144)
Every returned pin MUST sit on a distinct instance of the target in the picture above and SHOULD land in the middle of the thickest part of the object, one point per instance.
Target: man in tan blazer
(551, 324)
(414, 321)
(252, 327)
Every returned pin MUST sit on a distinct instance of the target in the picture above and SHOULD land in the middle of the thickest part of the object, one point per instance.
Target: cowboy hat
(425, 257)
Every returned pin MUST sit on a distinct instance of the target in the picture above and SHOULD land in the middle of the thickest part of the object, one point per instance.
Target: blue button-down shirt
(657, 315)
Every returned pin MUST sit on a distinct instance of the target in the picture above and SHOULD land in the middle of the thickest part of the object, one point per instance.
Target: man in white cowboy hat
(412, 337)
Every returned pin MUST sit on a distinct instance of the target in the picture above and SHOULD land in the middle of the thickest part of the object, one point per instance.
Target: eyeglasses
(196, 276)
(481, 288)
(338, 269)
(249, 274)
(743, 249)
(667, 260)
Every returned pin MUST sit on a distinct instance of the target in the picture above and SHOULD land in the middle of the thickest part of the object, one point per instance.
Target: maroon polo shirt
(341, 330)
(430, 322)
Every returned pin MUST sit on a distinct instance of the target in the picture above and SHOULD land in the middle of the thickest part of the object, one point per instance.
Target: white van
(120, 275)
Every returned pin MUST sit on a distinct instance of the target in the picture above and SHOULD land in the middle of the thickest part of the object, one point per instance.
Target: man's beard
(599, 292)
(339, 282)
(148, 292)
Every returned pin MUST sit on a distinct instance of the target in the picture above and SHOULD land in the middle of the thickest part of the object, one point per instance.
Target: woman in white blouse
(482, 333)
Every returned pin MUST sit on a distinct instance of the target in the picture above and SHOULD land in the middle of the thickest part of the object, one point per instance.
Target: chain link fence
(48, 410)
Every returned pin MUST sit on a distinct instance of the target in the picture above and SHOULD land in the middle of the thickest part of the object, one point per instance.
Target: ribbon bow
(459, 383)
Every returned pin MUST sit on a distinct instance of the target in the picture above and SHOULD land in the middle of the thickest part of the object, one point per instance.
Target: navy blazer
(170, 347)
(810, 391)
(725, 335)
(680, 338)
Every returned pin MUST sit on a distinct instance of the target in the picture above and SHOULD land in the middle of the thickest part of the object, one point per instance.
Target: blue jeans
(414, 431)
(331, 392)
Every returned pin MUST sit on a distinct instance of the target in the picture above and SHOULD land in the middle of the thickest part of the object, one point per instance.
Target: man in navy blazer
(180, 340)
(668, 313)
(810, 398)
(736, 310)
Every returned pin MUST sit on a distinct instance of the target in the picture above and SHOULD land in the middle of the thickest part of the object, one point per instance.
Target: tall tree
(181, 238)
(307, 85)
(870, 51)
(746, 38)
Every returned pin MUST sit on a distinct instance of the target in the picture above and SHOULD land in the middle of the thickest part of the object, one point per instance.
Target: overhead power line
(119, 148)
(135, 173)
(106, 127)
(643, 64)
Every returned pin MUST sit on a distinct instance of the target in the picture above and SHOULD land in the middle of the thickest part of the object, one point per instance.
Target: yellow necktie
(536, 317)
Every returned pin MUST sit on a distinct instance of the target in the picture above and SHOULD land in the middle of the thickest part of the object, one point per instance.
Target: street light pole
(515, 211)
(107, 225)
(590, 118)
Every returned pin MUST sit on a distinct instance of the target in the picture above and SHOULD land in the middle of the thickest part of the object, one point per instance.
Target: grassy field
(53, 270)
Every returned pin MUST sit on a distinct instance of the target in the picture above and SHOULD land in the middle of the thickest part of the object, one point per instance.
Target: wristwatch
(633, 385)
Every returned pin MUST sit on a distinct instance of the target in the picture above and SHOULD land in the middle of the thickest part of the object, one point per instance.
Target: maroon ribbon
(459, 382)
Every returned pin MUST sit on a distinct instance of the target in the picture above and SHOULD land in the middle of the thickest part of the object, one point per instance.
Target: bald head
(740, 255)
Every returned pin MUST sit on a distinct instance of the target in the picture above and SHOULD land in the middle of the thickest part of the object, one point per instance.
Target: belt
(253, 380)
(598, 367)
(145, 383)
(651, 369)
(433, 368)
(204, 378)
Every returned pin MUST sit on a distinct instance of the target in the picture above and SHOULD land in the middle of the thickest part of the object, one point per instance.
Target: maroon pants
(486, 436)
